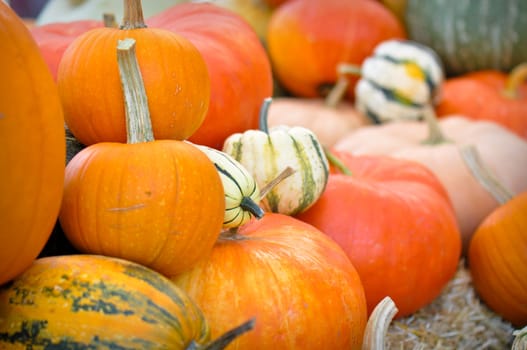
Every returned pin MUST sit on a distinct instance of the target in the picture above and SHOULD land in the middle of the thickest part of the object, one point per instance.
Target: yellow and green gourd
(267, 153)
(242, 193)
(399, 81)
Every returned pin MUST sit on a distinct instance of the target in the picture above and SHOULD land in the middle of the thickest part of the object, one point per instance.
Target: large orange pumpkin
(298, 284)
(394, 220)
(488, 95)
(32, 148)
(156, 202)
(174, 72)
(239, 68)
(307, 39)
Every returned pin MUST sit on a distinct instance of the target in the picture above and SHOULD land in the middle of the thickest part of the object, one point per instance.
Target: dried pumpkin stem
(520, 339)
(435, 134)
(483, 174)
(514, 80)
(288, 171)
(133, 15)
(109, 20)
(224, 340)
(138, 123)
(263, 115)
(378, 323)
(336, 94)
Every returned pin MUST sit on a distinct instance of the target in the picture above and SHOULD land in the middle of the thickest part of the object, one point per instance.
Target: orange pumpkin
(307, 39)
(488, 95)
(496, 254)
(298, 284)
(174, 72)
(394, 220)
(32, 147)
(159, 203)
(503, 151)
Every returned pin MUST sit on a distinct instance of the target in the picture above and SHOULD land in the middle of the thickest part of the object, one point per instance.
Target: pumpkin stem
(336, 162)
(378, 323)
(520, 339)
(225, 339)
(138, 123)
(288, 171)
(435, 134)
(514, 80)
(109, 20)
(336, 94)
(252, 207)
(483, 174)
(133, 15)
(263, 115)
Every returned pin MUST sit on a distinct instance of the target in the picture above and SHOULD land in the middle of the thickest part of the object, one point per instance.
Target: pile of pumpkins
(250, 192)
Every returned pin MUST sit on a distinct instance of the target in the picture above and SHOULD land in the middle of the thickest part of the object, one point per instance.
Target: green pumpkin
(471, 35)
(399, 81)
(267, 153)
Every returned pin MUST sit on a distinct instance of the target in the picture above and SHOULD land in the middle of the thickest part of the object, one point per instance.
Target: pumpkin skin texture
(238, 65)
(178, 90)
(456, 32)
(54, 38)
(497, 260)
(306, 40)
(298, 284)
(482, 96)
(32, 148)
(503, 152)
(393, 220)
(329, 123)
(89, 301)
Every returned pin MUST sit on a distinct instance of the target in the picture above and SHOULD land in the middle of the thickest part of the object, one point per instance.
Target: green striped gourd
(399, 81)
(242, 193)
(266, 153)
(97, 302)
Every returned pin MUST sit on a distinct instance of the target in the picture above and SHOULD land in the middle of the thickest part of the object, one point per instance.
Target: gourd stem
(138, 123)
(435, 134)
(224, 340)
(483, 174)
(378, 323)
(336, 94)
(133, 15)
(520, 339)
(262, 116)
(252, 207)
(109, 20)
(288, 171)
(514, 80)
(335, 161)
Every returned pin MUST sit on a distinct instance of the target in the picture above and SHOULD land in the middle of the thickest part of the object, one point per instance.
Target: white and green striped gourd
(399, 81)
(242, 193)
(266, 153)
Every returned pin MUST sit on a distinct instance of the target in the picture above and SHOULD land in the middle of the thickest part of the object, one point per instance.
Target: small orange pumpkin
(174, 72)
(159, 203)
(32, 147)
(497, 252)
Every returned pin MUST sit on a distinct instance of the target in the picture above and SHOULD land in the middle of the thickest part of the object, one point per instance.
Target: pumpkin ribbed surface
(96, 302)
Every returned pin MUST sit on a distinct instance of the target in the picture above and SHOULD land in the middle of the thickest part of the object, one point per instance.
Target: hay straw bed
(457, 319)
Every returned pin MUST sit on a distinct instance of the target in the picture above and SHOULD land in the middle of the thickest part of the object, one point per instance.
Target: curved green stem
(435, 134)
(138, 123)
(514, 80)
(252, 207)
(225, 339)
(262, 116)
(335, 161)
